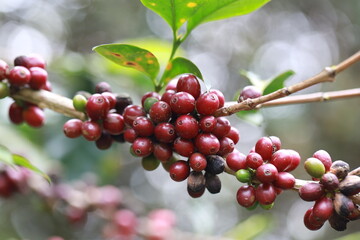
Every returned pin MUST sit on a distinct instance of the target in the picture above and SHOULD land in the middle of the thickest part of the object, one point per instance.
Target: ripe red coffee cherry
(311, 191)
(226, 146)
(207, 103)
(254, 160)
(249, 92)
(160, 112)
(30, 61)
(19, 76)
(114, 123)
(16, 113)
(111, 98)
(281, 159)
(91, 130)
(207, 123)
(34, 116)
(265, 193)
(131, 112)
(266, 173)
(102, 87)
(179, 170)
(222, 127)
(276, 143)
(182, 103)
(207, 143)
(171, 85)
(166, 97)
(38, 78)
(104, 142)
(190, 84)
(197, 162)
(236, 160)
(186, 126)
(324, 157)
(284, 180)
(149, 94)
(309, 222)
(220, 96)
(246, 196)
(143, 126)
(142, 147)
(233, 135)
(130, 135)
(295, 161)
(97, 107)
(4, 70)
(184, 147)
(165, 132)
(162, 151)
(264, 147)
(323, 209)
(72, 128)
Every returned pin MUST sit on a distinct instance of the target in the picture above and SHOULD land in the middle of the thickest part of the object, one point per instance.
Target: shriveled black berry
(215, 164)
(338, 222)
(121, 103)
(212, 183)
(196, 181)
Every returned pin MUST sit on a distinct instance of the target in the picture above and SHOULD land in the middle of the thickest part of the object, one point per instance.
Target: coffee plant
(183, 126)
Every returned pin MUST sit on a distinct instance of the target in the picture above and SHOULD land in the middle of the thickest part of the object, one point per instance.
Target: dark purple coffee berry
(72, 128)
(213, 183)
(186, 126)
(215, 164)
(121, 103)
(104, 142)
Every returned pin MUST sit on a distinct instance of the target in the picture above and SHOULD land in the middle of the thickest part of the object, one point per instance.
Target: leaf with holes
(179, 66)
(277, 82)
(196, 12)
(6, 156)
(21, 161)
(130, 56)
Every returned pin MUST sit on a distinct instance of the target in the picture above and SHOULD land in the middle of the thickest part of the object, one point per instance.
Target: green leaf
(250, 228)
(6, 156)
(196, 12)
(277, 82)
(253, 79)
(21, 161)
(179, 66)
(130, 56)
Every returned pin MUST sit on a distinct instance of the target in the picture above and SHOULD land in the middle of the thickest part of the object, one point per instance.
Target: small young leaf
(253, 79)
(6, 156)
(179, 66)
(21, 161)
(131, 56)
(277, 82)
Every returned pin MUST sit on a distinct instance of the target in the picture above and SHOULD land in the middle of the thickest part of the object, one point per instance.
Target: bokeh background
(304, 36)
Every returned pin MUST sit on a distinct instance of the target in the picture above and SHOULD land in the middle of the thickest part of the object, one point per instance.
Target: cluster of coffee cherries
(335, 191)
(266, 170)
(75, 202)
(28, 72)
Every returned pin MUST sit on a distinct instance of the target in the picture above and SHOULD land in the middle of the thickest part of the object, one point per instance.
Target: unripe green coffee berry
(149, 102)
(254, 206)
(79, 102)
(243, 175)
(4, 90)
(150, 163)
(268, 206)
(314, 167)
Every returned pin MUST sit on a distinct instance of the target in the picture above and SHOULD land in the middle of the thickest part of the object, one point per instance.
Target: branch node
(331, 72)
(286, 91)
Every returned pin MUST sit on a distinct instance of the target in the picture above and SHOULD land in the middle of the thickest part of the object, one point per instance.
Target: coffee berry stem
(327, 75)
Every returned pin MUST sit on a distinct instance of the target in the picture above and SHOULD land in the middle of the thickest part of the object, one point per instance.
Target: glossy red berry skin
(166, 97)
(236, 160)
(16, 113)
(190, 84)
(226, 146)
(165, 132)
(130, 135)
(179, 170)
(162, 152)
(265, 193)
(19, 76)
(4, 70)
(323, 209)
(111, 99)
(324, 157)
(131, 112)
(184, 147)
(149, 94)
(72, 128)
(220, 96)
(114, 123)
(91, 130)
(295, 161)
(207, 143)
(309, 222)
(281, 159)
(207, 103)
(207, 124)
(197, 162)
(284, 180)
(160, 112)
(97, 107)
(222, 127)
(142, 147)
(233, 135)
(266, 173)
(264, 147)
(249, 92)
(182, 103)
(38, 78)
(143, 126)
(171, 85)
(246, 196)
(34, 116)
(311, 191)
(30, 61)
(186, 126)
(254, 160)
